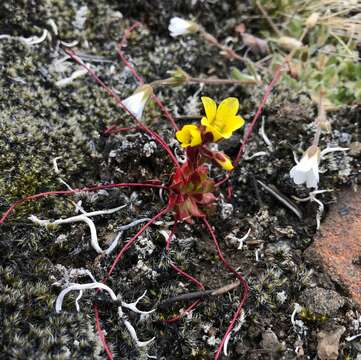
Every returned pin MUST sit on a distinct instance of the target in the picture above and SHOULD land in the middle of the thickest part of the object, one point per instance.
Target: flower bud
(312, 20)
(178, 77)
(289, 43)
(135, 103)
(179, 26)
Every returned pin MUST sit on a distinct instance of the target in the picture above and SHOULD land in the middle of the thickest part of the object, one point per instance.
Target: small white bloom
(135, 103)
(179, 26)
(306, 171)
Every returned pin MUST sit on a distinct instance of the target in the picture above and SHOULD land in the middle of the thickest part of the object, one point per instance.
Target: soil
(40, 121)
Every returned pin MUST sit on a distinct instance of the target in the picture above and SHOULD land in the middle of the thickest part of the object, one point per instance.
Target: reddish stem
(116, 261)
(122, 44)
(187, 276)
(240, 278)
(71, 192)
(119, 102)
(101, 334)
(248, 134)
(183, 313)
(114, 129)
(170, 237)
(132, 240)
(125, 61)
(250, 128)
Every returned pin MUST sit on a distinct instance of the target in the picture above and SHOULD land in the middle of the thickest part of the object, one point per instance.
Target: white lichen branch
(265, 138)
(29, 41)
(312, 197)
(122, 316)
(243, 238)
(78, 218)
(241, 321)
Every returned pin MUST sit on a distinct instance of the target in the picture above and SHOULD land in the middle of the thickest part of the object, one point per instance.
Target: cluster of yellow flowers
(219, 121)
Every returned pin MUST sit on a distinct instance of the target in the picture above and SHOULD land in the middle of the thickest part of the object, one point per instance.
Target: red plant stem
(125, 61)
(122, 44)
(114, 129)
(248, 134)
(170, 237)
(183, 313)
(101, 334)
(119, 102)
(240, 278)
(115, 262)
(71, 192)
(250, 128)
(191, 306)
(187, 276)
(221, 182)
(132, 240)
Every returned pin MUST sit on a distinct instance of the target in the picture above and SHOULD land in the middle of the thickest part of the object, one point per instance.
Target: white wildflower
(135, 103)
(306, 171)
(179, 26)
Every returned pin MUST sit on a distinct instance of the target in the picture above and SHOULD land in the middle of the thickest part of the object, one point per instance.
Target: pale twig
(268, 18)
(312, 197)
(200, 294)
(210, 81)
(282, 198)
(133, 306)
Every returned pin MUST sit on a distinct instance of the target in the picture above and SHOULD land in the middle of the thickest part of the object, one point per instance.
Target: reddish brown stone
(338, 245)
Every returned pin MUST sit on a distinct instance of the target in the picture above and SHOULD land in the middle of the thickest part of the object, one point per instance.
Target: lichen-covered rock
(322, 301)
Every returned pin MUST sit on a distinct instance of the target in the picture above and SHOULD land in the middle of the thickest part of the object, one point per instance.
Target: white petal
(298, 176)
(312, 178)
(305, 164)
(135, 104)
(179, 26)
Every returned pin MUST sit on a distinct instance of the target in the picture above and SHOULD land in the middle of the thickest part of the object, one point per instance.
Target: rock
(270, 342)
(322, 301)
(355, 148)
(328, 343)
(337, 247)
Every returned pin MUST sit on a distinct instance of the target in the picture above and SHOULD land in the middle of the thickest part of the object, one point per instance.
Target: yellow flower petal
(221, 121)
(227, 165)
(223, 160)
(196, 138)
(204, 121)
(189, 135)
(232, 125)
(210, 107)
(227, 109)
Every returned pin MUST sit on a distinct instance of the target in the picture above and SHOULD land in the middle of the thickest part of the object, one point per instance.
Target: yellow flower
(223, 160)
(190, 135)
(221, 121)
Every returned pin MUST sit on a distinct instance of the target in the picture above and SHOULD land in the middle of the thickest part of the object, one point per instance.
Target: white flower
(135, 103)
(179, 26)
(306, 171)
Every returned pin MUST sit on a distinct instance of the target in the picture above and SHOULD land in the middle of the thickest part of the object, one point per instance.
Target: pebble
(270, 342)
(329, 342)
